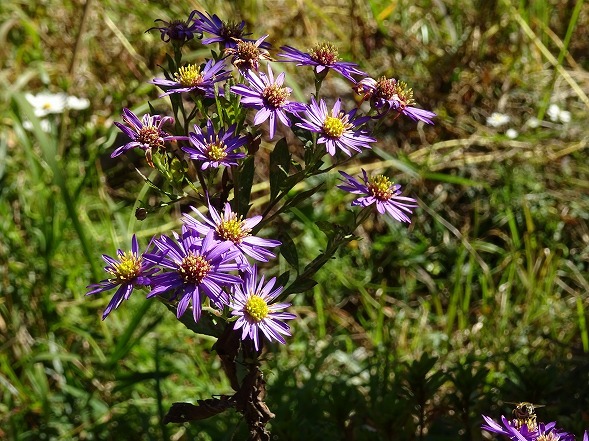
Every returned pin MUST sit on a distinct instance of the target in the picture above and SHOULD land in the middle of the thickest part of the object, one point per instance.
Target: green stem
(332, 246)
(561, 55)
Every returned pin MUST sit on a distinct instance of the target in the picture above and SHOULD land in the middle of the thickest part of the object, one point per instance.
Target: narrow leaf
(244, 186)
(300, 285)
(289, 250)
(279, 165)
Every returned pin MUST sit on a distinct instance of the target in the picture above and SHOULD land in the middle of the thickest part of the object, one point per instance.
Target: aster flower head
(146, 134)
(322, 57)
(549, 432)
(381, 192)
(517, 430)
(177, 31)
(246, 54)
(252, 304)
(269, 96)
(127, 271)
(506, 429)
(215, 149)
(389, 94)
(230, 228)
(193, 267)
(227, 34)
(337, 130)
(196, 79)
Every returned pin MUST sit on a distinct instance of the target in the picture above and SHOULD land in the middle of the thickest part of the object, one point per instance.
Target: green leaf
(171, 66)
(282, 279)
(289, 250)
(300, 285)
(244, 186)
(452, 179)
(279, 165)
(207, 325)
(327, 228)
(125, 341)
(125, 381)
(303, 196)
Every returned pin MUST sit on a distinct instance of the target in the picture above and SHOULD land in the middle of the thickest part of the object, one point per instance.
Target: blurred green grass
(410, 333)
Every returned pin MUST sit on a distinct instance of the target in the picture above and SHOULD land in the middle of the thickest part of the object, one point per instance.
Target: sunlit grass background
(411, 333)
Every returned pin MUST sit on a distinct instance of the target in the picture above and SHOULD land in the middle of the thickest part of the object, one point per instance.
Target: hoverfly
(524, 413)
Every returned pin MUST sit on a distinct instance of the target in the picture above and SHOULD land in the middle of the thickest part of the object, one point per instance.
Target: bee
(524, 413)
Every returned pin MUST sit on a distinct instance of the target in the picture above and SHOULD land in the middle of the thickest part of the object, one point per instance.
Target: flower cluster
(333, 128)
(205, 265)
(208, 145)
(381, 192)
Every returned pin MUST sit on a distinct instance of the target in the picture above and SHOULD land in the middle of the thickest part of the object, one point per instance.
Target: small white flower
(73, 102)
(511, 133)
(533, 122)
(497, 119)
(553, 112)
(45, 103)
(564, 116)
(44, 123)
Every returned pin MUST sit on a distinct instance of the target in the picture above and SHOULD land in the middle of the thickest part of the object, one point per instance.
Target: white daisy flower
(45, 103)
(497, 119)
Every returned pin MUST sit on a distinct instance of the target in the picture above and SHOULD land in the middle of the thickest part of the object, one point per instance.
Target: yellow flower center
(334, 127)
(232, 229)
(127, 269)
(380, 187)
(189, 75)
(275, 96)
(194, 269)
(544, 437)
(257, 308)
(405, 93)
(216, 150)
(324, 53)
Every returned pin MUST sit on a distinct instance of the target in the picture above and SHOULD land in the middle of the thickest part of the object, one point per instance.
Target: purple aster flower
(215, 150)
(526, 430)
(193, 267)
(229, 228)
(338, 129)
(246, 55)
(146, 134)
(177, 31)
(507, 429)
(382, 192)
(268, 96)
(127, 271)
(225, 33)
(322, 57)
(251, 303)
(548, 432)
(193, 78)
(389, 94)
